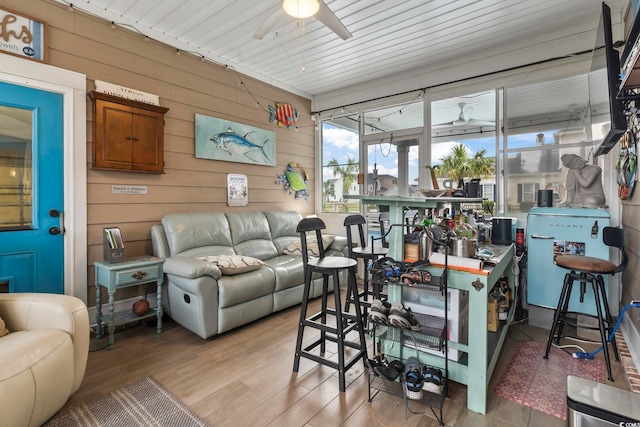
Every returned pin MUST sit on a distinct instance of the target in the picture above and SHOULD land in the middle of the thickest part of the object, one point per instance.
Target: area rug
(142, 403)
(540, 383)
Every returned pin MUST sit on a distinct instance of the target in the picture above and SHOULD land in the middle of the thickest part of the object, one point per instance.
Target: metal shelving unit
(432, 336)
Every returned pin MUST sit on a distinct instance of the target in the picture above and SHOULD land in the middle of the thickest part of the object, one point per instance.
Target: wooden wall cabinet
(127, 135)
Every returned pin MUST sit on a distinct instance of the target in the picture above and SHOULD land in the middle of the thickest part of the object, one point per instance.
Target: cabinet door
(127, 135)
(148, 141)
(113, 141)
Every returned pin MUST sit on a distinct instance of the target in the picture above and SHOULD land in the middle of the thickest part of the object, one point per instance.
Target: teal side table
(131, 272)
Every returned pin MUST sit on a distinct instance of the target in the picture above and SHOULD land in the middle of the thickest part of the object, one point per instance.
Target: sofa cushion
(289, 271)
(283, 226)
(245, 287)
(295, 248)
(251, 235)
(36, 375)
(198, 234)
(234, 264)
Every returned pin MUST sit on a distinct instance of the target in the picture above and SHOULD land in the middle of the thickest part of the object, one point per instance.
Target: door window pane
(15, 168)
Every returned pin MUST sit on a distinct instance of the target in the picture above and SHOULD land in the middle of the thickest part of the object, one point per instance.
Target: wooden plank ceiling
(389, 36)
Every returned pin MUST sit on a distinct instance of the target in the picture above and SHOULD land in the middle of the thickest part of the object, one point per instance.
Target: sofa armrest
(190, 268)
(30, 311)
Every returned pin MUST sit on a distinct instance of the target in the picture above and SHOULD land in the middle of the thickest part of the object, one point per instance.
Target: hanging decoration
(294, 181)
(626, 166)
(285, 115)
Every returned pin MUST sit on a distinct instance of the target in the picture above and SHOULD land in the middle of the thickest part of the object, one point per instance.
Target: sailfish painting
(229, 141)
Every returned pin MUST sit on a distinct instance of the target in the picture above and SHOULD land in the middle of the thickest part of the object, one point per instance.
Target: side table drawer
(140, 274)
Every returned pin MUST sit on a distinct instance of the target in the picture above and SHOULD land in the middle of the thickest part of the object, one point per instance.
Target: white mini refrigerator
(553, 231)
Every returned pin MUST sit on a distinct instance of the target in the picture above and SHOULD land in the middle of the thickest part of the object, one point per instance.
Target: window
(524, 129)
(16, 169)
(340, 164)
(545, 121)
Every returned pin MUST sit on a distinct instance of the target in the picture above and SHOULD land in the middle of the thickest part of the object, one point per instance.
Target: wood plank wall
(186, 85)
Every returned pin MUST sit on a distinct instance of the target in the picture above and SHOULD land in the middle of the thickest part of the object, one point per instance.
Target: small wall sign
(23, 36)
(237, 189)
(127, 93)
(128, 189)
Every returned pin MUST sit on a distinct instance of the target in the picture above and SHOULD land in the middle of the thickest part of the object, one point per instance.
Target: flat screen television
(605, 56)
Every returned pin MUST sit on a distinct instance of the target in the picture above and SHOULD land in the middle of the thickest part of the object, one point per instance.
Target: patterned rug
(540, 383)
(142, 403)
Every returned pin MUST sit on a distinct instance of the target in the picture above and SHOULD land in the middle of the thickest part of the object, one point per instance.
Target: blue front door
(31, 190)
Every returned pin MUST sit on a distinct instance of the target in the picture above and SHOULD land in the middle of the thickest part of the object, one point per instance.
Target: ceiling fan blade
(474, 122)
(443, 125)
(328, 18)
(268, 25)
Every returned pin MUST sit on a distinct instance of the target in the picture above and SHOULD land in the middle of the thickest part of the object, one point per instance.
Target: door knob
(54, 213)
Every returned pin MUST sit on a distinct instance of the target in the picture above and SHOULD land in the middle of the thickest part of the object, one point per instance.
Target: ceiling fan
(296, 9)
(464, 119)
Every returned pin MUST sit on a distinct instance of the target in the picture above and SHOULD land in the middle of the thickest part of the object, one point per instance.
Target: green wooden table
(483, 347)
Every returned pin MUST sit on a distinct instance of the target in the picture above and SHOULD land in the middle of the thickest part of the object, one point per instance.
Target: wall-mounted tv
(604, 55)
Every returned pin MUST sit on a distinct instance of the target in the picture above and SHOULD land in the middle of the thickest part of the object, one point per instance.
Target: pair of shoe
(402, 317)
(388, 370)
(418, 378)
(379, 312)
(393, 314)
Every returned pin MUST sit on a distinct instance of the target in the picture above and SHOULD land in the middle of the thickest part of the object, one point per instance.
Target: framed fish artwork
(219, 139)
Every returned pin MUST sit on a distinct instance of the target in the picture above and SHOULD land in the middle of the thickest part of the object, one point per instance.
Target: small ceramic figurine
(583, 184)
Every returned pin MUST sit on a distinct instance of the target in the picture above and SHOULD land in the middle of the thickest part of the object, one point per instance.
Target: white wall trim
(72, 86)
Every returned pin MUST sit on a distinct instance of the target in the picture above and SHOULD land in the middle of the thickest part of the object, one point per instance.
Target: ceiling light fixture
(301, 8)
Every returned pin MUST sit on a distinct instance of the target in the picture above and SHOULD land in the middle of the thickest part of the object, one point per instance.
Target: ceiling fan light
(301, 8)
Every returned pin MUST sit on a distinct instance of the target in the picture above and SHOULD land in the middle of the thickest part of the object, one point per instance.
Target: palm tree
(329, 190)
(348, 172)
(459, 165)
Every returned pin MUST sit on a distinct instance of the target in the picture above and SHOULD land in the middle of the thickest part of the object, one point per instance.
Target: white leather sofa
(44, 356)
(207, 302)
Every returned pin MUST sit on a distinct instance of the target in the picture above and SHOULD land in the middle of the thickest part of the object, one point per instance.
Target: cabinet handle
(136, 139)
(139, 275)
(128, 137)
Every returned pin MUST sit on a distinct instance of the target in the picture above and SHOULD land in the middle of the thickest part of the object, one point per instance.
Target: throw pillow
(234, 264)
(3, 331)
(312, 246)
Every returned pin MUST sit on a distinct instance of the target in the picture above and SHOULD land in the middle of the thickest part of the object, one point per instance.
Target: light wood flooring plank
(244, 378)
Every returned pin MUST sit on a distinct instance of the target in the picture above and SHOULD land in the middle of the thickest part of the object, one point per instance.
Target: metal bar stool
(328, 267)
(589, 270)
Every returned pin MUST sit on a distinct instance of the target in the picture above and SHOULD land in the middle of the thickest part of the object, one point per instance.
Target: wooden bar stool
(366, 254)
(328, 267)
(589, 270)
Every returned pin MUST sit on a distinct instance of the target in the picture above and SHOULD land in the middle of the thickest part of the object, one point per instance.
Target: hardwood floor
(244, 378)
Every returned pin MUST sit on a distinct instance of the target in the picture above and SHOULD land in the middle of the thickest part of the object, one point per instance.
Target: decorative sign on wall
(285, 115)
(237, 189)
(128, 189)
(294, 181)
(126, 93)
(219, 139)
(23, 36)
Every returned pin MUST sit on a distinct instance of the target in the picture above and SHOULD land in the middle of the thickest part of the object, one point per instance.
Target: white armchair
(43, 358)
